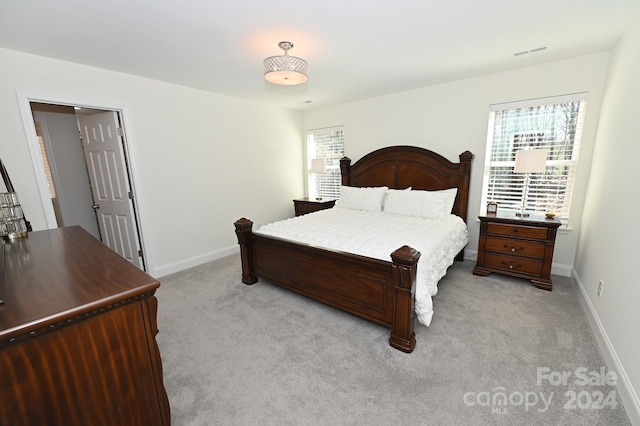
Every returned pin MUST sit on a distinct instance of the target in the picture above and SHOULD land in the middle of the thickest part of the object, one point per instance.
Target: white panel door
(67, 164)
(103, 150)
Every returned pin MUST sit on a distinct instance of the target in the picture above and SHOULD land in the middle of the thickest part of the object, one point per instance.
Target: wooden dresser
(520, 247)
(77, 335)
(309, 205)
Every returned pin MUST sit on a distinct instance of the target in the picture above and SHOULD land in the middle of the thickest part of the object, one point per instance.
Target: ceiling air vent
(534, 50)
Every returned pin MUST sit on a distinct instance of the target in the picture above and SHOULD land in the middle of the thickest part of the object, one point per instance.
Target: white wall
(201, 160)
(607, 249)
(451, 118)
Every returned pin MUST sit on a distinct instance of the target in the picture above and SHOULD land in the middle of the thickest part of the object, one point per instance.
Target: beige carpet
(259, 355)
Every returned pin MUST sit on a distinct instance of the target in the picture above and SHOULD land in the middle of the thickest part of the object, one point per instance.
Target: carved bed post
(462, 201)
(345, 163)
(244, 232)
(405, 262)
(465, 175)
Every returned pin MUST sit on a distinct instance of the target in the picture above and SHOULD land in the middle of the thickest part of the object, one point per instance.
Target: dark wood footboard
(376, 290)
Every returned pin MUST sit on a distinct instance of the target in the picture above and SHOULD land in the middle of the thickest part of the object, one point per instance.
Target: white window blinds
(554, 124)
(327, 144)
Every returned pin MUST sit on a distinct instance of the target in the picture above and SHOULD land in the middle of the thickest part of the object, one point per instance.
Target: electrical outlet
(600, 285)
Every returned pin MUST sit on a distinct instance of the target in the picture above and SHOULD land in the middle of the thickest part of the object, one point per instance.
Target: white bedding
(377, 235)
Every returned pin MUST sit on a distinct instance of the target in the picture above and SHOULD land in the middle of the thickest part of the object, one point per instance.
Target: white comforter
(377, 235)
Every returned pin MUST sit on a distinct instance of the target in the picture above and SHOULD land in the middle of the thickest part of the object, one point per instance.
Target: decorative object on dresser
(20, 222)
(12, 223)
(310, 205)
(492, 207)
(529, 161)
(77, 335)
(516, 246)
(381, 291)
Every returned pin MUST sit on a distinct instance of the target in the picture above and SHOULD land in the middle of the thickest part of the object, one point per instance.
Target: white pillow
(449, 196)
(427, 204)
(389, 191)
(357, 198)
(423, 204)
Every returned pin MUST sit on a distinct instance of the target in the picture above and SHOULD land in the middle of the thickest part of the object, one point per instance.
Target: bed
(381, 291)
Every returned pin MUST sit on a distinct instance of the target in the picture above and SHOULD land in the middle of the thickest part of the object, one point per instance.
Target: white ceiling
(355, 49)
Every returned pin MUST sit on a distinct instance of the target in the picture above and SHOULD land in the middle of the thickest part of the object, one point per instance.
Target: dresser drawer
(515, 246)
(514, 264)
(518, 231)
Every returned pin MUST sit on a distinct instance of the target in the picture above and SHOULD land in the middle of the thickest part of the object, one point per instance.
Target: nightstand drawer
(518, 231)
(513, 264)
(306, 205)
(304, 208)
(515, 247)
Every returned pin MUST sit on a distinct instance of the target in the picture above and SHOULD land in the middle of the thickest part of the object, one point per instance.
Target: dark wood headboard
(400, 167)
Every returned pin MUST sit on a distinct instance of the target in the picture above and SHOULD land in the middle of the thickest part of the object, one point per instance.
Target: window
(45, 161)
(325, 144)
(554, 124)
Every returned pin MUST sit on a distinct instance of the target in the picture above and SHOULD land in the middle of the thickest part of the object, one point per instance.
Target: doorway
(81, 152)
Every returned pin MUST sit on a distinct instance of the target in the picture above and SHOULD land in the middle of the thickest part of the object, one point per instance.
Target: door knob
(95, 206)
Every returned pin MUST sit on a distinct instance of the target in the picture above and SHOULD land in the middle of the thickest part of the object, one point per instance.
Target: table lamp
(318, 165)
(529, 161)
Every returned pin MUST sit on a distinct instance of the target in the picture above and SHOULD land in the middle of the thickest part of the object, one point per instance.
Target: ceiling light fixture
(284, 69)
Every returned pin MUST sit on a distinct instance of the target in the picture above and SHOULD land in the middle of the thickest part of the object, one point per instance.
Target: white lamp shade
(530, 161)
(318, 165)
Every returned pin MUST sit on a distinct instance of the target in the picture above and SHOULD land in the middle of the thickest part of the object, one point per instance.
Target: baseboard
(625, 389)
(562, 270)
(471, 255)
(194, 261)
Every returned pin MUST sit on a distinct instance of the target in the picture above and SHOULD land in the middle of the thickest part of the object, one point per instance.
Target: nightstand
(308, 205)
(519, 247)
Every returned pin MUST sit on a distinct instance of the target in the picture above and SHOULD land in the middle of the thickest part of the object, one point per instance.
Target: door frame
(24, 103)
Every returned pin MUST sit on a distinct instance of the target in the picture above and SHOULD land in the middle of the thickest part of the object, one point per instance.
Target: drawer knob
(513, 249)
(515, 230)
(511, 265)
